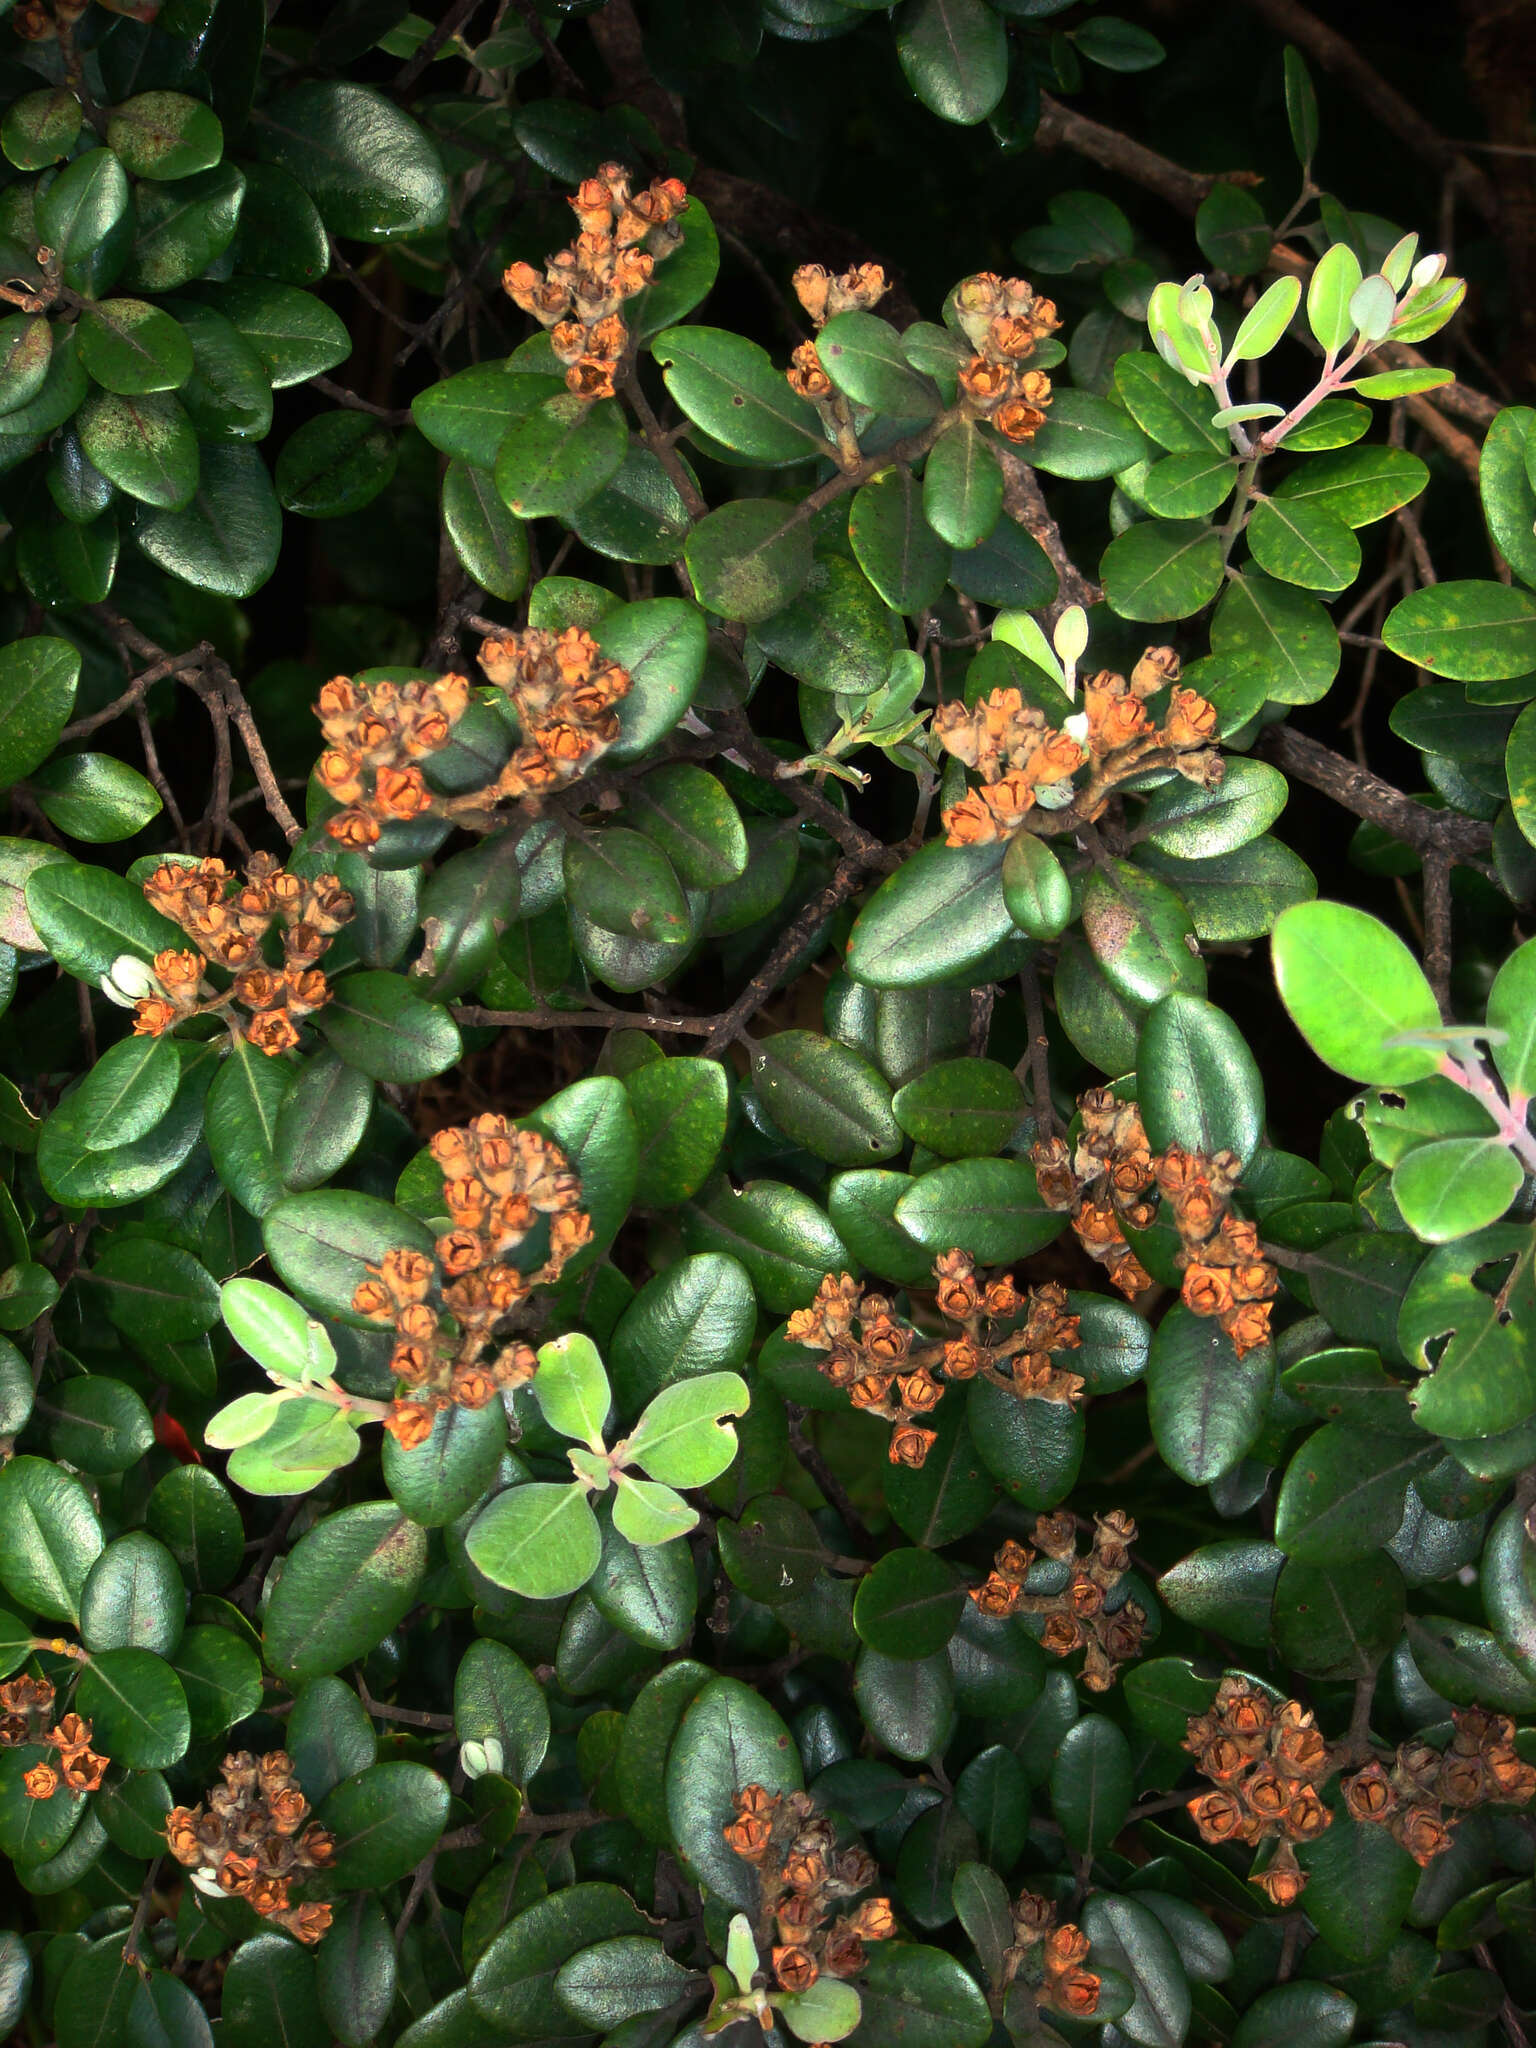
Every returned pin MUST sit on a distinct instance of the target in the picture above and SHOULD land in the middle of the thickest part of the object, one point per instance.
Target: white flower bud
(128, 980)
(1077, 727)
(482, 1759)
(1428, 270)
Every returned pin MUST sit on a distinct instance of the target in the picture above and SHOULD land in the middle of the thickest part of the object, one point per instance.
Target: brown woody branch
(813, 920)
(1443, 834)
(1024, 501)
(1339, 56)
(1183, 189)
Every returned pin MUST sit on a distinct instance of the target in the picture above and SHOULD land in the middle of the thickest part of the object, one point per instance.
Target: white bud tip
(127, 980)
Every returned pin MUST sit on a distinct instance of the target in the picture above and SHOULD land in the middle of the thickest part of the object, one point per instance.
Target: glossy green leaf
(334, 464)
(1352, 988)
(728, 386)
(1303, 543)
(1084, 437)
(962, 487)
(1160, 570)
(1278, 634)
(1470, 631)
(372, 172)
(939, 914)
(384, 1029)
(146, 446)
(38, 679)
(343, 1588)
(384, 1821)
(1198, 1084)
(826, 1097)
(1091, 1784)
(728, 1737)
(896, 547)
(1205, 1405)
(94, 798)
(555, 458)
(749, 558)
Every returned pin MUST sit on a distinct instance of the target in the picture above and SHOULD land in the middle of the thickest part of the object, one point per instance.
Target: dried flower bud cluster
(1112, 1178)
(824, 296)
(1018, 753)
(375, 734)
(227, 920)
(26, 1706)
(1420, 1795)
(1102, 1182)
(1003, 320)
(1266, 1762)
(888, 1370)
(624, 235)
(562, 688)
(804, 1877)
(1050, 1959)
(248, 1841)
(1077, 1611)
(450, 1312)
(1226, 1274)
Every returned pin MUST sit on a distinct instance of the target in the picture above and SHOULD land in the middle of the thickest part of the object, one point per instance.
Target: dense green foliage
(768, 1260)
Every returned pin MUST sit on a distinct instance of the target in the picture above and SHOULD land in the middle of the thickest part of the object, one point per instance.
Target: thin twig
(393, 416)
(793, 941)
(1437, 928)
(832, 1488)
(1039, 1054)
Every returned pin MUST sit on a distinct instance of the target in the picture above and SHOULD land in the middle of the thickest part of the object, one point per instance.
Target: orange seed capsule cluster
(1017, 752)
(1105, 1181)
(26, 1706)
(1050, 1959)
(824, 296)
(228, 920)
(1226, 1274)
(624, 235)
(1266, 1762)
(562, 687)
(451, 1311)
(249, 1841)
(1112, 1178)
(1420, 1795)
(1003, 321)
(804, 1879)
(887, 1370)
(1078, 1612)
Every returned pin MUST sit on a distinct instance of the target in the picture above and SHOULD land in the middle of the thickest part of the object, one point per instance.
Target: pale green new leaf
(274, 1330)
(647, 1512)
(306, 1442)
(681, 1439)
(242, 1421)
(1334, 283)
(829, 2011)
(539, 1540)
(1266, 321)
(572, 1389)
